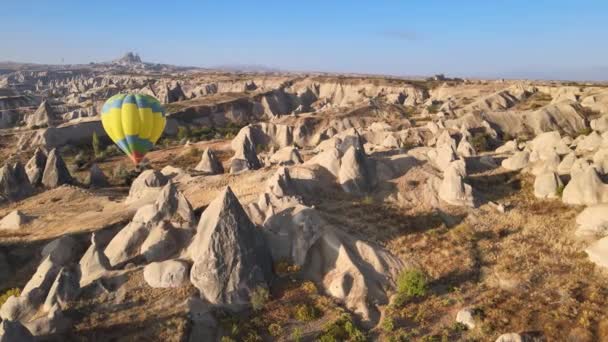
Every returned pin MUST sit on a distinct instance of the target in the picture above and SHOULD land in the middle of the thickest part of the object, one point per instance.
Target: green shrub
(259, 297)
(275, 329)
(560, 190)
(96, 146)
(194, 152)
(367, 200)
(182, 132)
(354, 333)
(327, 338)
(121, 174)
(306, 312)
(388, 324)
(8, 293)
(584, 131)
(480, 142)
(227, 339)
(309, 287)
(341, 330)
(433, 109)
(252, 336)
(296, 335)
(112, 150)
(81, 158)
(234, 329)
(412, 283)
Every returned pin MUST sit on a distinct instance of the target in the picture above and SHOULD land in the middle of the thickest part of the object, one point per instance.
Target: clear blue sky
(555, 39)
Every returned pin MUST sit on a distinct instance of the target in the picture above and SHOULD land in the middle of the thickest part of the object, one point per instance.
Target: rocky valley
(303, 207)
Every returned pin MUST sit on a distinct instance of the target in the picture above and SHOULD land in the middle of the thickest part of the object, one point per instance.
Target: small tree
(96, 147)
(259, 297)
(412, 283)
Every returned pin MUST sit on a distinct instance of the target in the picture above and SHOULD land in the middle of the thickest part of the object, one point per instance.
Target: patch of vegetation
(183, 133)
(367, 200)
(399, 335)
(296, 335)
(40, 126)
(193, 152)
(81, 159)
(342, 329)
(309, 287)
(259, 298)
(410, 283)
(584, 131)
(306, 312)
(8, 293)
(479, 142)
(409, 111)
(535, 101)
(207, 133)
(283, 267)
(120, 174)
(252, 336)
(560, 190)
(388, 324)
(96, 146)
(275, 329)
(434, 108)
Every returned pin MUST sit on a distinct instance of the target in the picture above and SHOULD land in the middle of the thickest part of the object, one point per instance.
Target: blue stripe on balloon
(142, 101)
(130, 98)
(157, 108)
(134, 142)
(117, 103)
(122, 144)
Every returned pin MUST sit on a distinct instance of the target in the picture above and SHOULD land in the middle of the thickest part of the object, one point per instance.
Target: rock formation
(598, 252)
(354, 175)
(56, 172)
(286, 156)
(593, 221)
(13, 221)
(35, 167)
(230, 256)
(585, 188)
(43, 117)
(14, 331)
(245, 157)
(146, 186)
(169, 273)
(517, 161)
(14, 183)
(97, 178)
(547, 185)
(94, 264)
(453, 190)
(209, 163)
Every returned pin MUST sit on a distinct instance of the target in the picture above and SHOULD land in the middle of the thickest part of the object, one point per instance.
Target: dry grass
(135, 312)
(534, 101)
(294, 306)
(521, 270)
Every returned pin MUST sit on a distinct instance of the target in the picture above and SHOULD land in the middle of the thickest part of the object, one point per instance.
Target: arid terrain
(303, 207)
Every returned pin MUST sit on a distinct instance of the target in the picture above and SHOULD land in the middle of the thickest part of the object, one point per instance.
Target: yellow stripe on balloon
(146, 123)
(112, 123)
(159, 126)
(130, 118)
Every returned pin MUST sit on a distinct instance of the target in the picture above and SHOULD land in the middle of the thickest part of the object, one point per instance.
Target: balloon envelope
(134, 122)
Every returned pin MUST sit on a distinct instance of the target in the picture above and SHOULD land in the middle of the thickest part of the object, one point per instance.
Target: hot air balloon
(134, 122)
